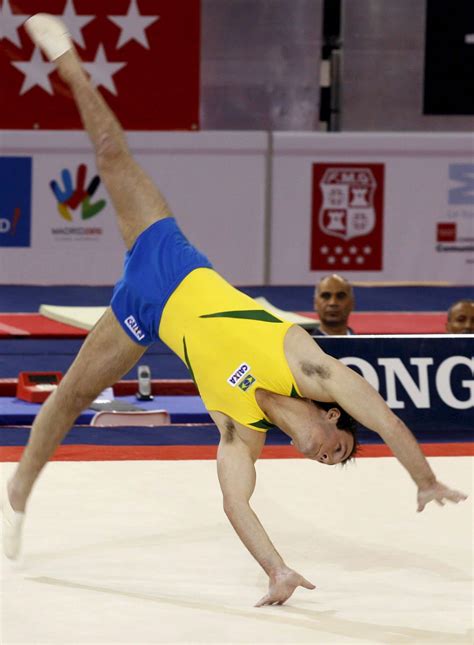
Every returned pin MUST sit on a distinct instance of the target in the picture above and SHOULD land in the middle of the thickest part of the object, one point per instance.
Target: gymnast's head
(323, 432)
(342, 439)
(329, 436)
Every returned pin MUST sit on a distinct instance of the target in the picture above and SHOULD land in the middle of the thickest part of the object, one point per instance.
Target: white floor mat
(141, 552)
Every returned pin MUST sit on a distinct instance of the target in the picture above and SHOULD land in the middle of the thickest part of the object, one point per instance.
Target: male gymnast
(252, 369)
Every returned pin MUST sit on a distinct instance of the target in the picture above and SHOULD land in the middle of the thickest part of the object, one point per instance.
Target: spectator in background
(333, 302)
(461, 317)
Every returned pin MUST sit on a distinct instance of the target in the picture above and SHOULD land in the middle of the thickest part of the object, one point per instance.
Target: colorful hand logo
(71, 198)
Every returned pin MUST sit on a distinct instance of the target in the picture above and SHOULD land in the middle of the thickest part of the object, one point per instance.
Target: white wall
(416, 198)
(255, 226)
(214, 182)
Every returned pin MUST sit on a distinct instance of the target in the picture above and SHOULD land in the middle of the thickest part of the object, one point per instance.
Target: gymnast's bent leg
(106, 355)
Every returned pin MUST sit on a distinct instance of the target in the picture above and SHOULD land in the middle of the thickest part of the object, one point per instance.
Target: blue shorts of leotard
(158, 261)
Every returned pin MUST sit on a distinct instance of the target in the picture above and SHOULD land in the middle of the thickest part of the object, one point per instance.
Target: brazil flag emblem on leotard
(247, 382)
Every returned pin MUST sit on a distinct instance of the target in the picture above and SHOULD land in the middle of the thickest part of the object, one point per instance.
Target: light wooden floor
(141, 552)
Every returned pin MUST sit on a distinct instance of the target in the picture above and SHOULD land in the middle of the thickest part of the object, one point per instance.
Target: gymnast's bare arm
(239, 448)
(323, 378)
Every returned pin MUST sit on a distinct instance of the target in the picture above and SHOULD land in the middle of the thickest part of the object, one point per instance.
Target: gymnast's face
(313, 431)
(322, 440)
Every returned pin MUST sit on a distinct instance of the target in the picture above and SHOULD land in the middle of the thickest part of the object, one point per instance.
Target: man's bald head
(334, 280)
(334, 301)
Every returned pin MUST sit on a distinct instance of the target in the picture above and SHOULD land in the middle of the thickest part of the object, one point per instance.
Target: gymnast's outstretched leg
(136, 200)
(108, 352)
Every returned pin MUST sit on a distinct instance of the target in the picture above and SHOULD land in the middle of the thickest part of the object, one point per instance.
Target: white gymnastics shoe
(12, 524)
(50, 34)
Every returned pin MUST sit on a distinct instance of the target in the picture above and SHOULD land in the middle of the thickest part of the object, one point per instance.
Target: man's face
(333, 301)
(315, 433)
(461, 320)
(331, 446)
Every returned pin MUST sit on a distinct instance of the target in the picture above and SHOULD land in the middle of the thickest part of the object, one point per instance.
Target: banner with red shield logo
(143, 55)
(347, 217)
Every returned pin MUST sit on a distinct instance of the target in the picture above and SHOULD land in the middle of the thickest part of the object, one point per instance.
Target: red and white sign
(446, 232)
(143, 55)
(347, 217)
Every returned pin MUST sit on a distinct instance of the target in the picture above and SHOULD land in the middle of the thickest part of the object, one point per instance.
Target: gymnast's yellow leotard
(230, 343)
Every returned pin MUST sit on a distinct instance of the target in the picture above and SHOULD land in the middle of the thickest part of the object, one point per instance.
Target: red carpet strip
(394, 322)
(22, 325)
(160, 387)
(183, 453)
(36, 326)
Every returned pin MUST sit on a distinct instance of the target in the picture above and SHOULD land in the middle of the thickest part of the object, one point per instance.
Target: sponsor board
(15, 201)
(76, 204)
(347, 217)
(428, 381)
(455, 234)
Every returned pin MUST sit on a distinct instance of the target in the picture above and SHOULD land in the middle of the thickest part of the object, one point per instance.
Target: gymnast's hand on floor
(439, 493)
(281, 587)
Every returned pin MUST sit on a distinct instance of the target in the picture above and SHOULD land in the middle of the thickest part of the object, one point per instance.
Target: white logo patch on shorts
(134, 328)
(241, 371)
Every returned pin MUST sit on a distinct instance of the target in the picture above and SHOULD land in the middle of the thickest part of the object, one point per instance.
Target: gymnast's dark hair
(345, 422)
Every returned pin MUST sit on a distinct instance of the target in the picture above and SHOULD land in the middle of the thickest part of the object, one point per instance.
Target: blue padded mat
(26, 354)
(198, 435)
(14, 298)
(183, 409)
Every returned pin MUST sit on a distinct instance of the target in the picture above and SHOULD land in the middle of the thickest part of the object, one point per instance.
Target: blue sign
(463, 175)
(428, 381)
(15, 201)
